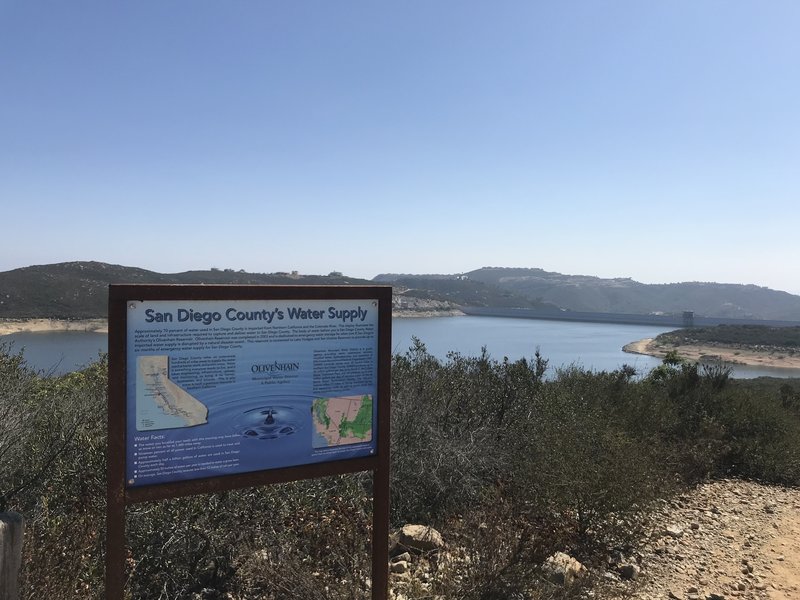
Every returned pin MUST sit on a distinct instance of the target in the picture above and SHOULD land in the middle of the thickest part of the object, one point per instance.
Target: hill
(79, 290)
(624, 295)
(456, 290)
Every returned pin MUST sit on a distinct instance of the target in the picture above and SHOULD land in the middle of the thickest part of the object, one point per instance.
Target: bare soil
(724, 539)
(10, 326)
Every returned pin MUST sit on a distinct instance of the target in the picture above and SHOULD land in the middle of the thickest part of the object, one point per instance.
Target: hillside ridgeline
(79, 290)
(624, 295)
(543, 289)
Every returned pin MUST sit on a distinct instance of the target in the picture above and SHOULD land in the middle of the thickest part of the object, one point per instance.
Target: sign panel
(220, 387)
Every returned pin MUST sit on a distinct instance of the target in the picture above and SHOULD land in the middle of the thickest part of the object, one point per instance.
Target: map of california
(161, 403)
(342, 420)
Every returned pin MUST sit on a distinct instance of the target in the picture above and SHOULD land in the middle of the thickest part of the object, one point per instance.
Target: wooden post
(12, 528)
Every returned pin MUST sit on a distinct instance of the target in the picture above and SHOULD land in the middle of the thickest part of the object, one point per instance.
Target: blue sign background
(222, 387)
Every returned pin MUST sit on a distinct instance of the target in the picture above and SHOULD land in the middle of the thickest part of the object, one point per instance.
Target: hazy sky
(656, 140)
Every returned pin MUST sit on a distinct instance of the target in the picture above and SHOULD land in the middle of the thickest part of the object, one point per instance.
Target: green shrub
(53, 472)
(763, 437)
(452, 423)
(509, 464)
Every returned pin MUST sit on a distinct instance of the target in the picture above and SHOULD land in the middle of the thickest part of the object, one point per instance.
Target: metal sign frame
(119, 495)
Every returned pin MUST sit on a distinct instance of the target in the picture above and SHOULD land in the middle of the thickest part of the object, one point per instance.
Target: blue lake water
(57, 352)
(595, 346)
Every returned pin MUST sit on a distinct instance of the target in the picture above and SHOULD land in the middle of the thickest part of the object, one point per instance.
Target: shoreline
(420, 314)
(646, 346)
(726, 354)
(12, 326)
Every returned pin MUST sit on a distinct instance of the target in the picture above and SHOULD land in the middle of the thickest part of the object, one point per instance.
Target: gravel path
(726, 539)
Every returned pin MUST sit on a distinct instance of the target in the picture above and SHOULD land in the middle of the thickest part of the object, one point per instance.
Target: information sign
(219, 387)
(222, 387)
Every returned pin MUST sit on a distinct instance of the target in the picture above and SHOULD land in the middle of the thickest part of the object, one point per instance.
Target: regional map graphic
(160, 402)
(342, 420)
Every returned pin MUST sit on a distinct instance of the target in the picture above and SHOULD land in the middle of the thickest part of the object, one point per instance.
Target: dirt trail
(726, 539)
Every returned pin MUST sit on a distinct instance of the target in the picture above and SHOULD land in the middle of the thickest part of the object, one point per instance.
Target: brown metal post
(115, 549)
(380, 534)
(115, 457)
(380, 476)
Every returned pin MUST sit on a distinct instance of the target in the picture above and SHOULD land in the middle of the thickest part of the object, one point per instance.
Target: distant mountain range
(78, 290)
(594, 294)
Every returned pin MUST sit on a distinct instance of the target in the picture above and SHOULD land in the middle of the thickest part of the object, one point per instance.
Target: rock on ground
(562, 569)
(420, 538)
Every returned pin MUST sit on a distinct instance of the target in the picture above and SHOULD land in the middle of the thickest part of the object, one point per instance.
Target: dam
(686, 319)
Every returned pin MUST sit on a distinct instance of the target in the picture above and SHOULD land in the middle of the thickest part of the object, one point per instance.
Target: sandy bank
(409, 314)
(733, 355)
(9, 326)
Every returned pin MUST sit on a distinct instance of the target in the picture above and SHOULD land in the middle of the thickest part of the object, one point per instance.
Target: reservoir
(596, 346)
